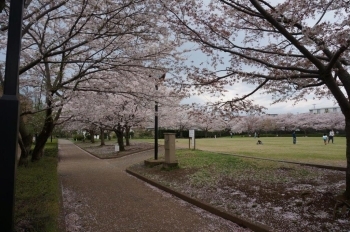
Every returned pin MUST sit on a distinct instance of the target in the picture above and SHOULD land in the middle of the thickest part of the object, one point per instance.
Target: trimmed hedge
(198, 134)
(212, 134)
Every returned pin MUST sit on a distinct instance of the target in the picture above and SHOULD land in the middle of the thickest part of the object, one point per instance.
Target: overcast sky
(264, 100)
(279, 108)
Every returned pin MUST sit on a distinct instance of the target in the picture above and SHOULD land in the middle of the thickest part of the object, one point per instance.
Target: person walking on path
(294, 137)
(98, 195)
(325, 139)
(331, 136)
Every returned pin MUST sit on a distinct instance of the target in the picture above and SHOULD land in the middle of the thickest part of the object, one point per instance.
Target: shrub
(78, 137)
(145, 134)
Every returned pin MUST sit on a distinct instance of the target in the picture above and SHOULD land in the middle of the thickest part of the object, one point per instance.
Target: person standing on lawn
(294, 137)
(325, 139)
(331, 136)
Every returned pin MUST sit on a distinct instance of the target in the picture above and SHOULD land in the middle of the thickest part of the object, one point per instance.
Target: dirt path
(99, 196)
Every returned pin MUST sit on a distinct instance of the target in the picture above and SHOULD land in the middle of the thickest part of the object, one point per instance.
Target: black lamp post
(161, 79)
(9, 115)
(156, 127)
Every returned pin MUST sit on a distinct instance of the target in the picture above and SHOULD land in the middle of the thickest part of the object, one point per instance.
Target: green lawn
(37, 193)
(307, 149)
(255, 188)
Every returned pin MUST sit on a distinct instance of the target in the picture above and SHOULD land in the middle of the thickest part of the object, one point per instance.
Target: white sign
(191, 134)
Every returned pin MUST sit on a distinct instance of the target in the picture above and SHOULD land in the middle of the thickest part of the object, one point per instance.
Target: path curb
(337, 168)
(243, 222)
(131, 153)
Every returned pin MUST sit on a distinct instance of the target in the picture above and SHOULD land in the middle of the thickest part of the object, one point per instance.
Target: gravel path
(98, 195)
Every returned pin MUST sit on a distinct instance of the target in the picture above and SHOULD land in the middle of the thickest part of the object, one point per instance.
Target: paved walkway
(98, 195)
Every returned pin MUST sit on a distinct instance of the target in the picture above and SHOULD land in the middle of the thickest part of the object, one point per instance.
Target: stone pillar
(169, 146)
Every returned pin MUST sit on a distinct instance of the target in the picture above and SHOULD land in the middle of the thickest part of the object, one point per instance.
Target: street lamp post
(9, 115)
(161, 79)
(156, 127)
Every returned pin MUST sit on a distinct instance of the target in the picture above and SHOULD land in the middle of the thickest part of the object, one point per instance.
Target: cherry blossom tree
(285, 122)
(171, 114)
(178, 118)
(83, 45)
(289, 49)
(335, 121)
(130, 106)
(308, 121)
(304, 122)
(110, 112)
(289, 122)
(251, 123)
(206, 118)
(267, 123)
(237, 125)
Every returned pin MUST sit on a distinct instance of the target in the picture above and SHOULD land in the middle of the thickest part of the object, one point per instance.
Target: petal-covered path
(98, 195)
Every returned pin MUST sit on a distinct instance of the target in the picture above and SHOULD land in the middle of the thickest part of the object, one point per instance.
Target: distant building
(272, 115)
(333, 109)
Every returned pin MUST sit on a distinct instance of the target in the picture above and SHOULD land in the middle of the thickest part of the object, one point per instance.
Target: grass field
(307, 149)
(37, 193)
(284, 196)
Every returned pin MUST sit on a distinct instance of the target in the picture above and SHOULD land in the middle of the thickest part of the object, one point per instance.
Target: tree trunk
(120, 142)
(25, 141)
(46, 131)
(347, 131)
(23, 159)
(119, 132)
(42, 138)
(92, 136)
(102, 134)
(127, 135)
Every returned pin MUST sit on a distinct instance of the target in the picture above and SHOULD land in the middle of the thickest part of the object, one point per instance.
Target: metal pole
(161, 78)
(9, 115)
(156, 128)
